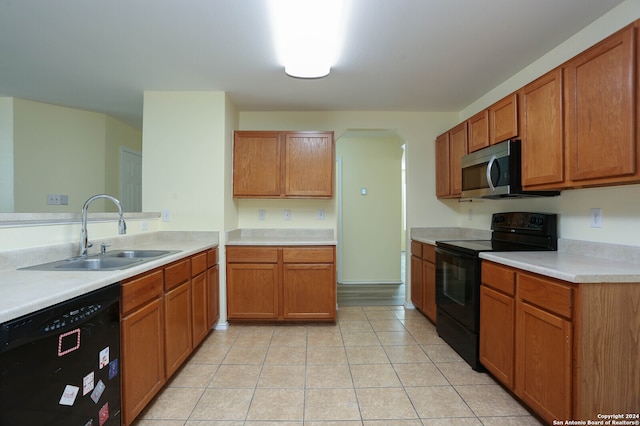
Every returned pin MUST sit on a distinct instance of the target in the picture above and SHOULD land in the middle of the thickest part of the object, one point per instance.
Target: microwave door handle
(489, 167)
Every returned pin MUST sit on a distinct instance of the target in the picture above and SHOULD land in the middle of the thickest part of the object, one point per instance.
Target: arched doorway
(371, 225)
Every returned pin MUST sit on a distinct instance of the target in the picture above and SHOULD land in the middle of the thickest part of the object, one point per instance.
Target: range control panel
(538, 223)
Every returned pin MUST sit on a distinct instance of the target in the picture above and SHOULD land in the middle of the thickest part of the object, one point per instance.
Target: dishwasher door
(60, 365)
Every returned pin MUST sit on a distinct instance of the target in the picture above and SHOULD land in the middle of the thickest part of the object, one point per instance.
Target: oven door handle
(489, 168)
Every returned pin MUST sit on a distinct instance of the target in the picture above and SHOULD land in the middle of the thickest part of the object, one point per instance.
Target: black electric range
(458, 274)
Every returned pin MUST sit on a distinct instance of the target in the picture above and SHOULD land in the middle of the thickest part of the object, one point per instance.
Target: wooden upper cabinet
(503, 119)
(478, 131)
(283, 164)
(309, 165)
(450, 148)
(543, 132)
(442, 166)
(458, 141)
(256, 164)
(600, 102)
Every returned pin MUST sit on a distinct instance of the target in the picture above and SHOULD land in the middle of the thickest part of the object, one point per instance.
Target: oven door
(458, 286)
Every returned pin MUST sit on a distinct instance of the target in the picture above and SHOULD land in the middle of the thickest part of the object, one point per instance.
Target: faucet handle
(103, 247)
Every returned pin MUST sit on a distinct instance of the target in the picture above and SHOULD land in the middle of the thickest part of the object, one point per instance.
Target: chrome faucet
(84, 240)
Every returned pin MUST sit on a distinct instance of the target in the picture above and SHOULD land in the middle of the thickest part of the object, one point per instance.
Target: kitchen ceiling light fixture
(307, 35)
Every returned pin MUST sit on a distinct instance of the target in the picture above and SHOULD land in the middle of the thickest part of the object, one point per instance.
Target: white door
(130, 180)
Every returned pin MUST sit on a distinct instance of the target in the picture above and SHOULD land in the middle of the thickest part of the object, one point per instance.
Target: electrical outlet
(320, 214)
(166, 215)
(596, 218)
(53, 199)
(144, 225)
(262, 214)
(287, 215)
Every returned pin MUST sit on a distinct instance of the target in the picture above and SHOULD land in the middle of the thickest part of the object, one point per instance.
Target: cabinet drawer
(236, 254)
(429, 253)
(499, 277)
(416, 248)
(307, 255)
(139, 290)
(177, 273)
(198, 264)
(550, 295)
(212, 257)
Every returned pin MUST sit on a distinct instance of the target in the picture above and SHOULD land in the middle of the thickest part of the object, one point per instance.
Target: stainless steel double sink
(109, 261)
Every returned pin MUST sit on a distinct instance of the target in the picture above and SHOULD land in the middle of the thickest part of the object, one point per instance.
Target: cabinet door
(479, 131)
(543, 362)
(443, 185)
(309, 291)
(252, 291)
(600, 106)
(213, 296)
(542, 132)
(256, 164)
(497, 326)
(503, 116)
(177, 325)
(458, 140)
(309, 165)
(416, 282)
(199, 307)
(429, 290)
(142, 358)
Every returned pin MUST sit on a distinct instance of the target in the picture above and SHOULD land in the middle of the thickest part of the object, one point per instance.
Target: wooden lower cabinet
(165, 314)
(199, 299)
(281, 283)
(497, 325)
(416, 279)
(177, 326)
(423, 278)
(429, 296)
(306, 293)
(568, 351)
(142, 343)
(543, 361)
(252, 291)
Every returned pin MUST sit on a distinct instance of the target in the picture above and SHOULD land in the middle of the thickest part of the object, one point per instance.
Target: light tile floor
(378, 365)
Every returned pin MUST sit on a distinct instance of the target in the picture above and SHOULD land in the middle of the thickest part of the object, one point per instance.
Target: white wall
(50, 149)
(183, 166)
(6, 155)
(186, 166)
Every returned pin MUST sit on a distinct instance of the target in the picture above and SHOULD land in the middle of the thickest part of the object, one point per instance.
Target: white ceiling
(398, 55)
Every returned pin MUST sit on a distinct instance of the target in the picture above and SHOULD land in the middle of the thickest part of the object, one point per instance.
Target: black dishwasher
(60, 365)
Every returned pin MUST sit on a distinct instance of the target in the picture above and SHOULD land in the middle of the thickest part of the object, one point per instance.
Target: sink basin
(97, 263)
(138, 254)
(117, 259)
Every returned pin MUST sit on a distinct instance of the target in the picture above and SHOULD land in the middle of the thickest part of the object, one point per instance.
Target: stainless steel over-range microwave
(495, 172)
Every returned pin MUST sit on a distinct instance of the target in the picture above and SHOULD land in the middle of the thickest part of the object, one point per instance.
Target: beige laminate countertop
(26, 291)
(575, 261)
(281, 237)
